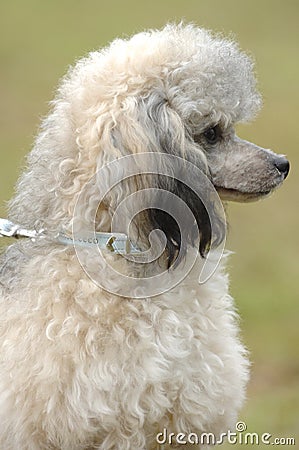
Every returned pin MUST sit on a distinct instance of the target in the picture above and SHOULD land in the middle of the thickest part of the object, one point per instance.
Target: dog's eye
(212, 135)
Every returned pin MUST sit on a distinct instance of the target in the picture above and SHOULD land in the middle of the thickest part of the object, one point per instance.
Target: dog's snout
(283, 165)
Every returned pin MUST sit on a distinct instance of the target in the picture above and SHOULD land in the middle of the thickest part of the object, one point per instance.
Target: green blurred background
(40, 39)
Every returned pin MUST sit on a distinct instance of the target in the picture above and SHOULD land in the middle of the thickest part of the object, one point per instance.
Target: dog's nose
(283, 165)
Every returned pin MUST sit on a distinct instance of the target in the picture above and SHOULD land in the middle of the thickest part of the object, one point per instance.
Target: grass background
(40, 39)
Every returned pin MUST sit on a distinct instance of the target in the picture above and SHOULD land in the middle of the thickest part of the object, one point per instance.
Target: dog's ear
(159, 128)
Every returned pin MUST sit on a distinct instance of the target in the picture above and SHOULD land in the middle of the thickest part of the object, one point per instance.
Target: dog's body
(85, 369)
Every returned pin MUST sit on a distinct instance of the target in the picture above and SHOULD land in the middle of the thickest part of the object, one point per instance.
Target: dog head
(179, 91)
(194, 87)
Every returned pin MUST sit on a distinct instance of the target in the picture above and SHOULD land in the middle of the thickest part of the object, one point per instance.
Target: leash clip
(10, 229)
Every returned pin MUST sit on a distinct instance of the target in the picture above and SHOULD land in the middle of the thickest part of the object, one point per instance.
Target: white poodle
(84, 368)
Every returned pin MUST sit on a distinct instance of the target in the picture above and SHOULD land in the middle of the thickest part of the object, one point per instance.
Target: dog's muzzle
(245, 172)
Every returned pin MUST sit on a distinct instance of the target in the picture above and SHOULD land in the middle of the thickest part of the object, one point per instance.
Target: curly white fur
(81, 368)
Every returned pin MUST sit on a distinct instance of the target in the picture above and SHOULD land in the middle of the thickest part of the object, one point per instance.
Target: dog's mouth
(239, 196)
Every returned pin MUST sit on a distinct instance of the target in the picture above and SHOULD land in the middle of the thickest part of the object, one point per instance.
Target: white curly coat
(81, 368)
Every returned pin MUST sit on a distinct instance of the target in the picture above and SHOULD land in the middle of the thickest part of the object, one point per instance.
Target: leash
(118, 243)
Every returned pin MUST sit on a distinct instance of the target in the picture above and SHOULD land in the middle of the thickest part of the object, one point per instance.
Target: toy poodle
(85, 367)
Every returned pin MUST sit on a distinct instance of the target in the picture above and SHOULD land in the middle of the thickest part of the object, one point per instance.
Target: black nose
(283, 165)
